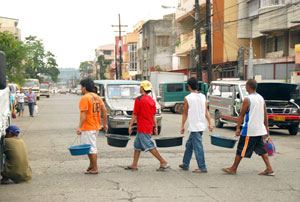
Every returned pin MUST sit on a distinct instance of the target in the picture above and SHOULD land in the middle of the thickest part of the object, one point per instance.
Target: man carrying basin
(90, 106)
(196, 111)
(144, 113)
(255, 127)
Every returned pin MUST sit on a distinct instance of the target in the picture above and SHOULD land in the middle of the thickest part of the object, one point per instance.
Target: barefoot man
(255, 127)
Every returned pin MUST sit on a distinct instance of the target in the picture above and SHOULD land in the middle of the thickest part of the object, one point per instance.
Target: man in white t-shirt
(254, 114)
(196, 111)
(20, 100)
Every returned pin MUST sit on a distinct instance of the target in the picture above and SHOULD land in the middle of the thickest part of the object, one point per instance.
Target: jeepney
(119, 97)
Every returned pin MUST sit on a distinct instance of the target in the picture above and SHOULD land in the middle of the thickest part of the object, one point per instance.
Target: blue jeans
(31, 108)
(194, 143)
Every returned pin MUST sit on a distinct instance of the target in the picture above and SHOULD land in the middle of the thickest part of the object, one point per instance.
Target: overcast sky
(72, 29)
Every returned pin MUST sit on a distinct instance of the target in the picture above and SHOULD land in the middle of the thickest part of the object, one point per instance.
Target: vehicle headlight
(158, 111)
(294, 111)
(117, 113)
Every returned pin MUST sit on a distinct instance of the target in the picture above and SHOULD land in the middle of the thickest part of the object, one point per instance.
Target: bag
(270, 147)
(13, 115)
(36, 109)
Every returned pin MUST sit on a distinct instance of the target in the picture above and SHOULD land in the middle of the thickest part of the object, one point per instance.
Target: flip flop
(226, 170)
(6, 182)
(199, 171)
(88, 169)
(182, 167)
(130, 168)
(266, 173)
(162, 168)
(91, 172)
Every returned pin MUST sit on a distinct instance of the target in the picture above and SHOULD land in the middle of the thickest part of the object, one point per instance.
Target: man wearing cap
(16, 165)
(144, 113)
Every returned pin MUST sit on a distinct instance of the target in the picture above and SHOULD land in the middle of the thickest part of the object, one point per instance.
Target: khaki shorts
(89, 137)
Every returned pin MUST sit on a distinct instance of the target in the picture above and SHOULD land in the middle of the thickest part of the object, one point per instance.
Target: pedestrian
(20, 101)
(16, 166)
(255, 127)
(31, 101)
(196, 112)
(90, 107)
(144, 113)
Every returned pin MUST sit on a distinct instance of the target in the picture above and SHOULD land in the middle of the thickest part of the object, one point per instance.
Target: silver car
(119, 97)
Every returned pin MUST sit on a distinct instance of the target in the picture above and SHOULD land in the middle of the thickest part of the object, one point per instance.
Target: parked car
(226, 98)
(172, 94)
(63, 91)
(119, 96)
(282, 109)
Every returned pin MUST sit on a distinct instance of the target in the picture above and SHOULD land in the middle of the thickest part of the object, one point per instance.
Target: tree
(86, 68)
(103, 65)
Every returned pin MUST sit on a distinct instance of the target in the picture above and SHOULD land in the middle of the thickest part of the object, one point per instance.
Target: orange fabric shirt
(91, 103)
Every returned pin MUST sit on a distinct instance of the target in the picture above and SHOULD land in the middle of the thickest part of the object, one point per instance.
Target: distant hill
(68, 73)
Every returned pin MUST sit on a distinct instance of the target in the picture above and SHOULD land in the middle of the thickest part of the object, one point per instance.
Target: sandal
(226, 170)
(267, 173)
(199, 171)
(91, 172)
(130, 168)
(183, 167)
(162, 168)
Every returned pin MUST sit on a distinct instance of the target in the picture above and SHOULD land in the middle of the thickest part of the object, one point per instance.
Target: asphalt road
(58, 176)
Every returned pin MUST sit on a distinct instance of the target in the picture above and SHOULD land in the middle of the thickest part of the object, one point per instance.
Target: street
(58, 176)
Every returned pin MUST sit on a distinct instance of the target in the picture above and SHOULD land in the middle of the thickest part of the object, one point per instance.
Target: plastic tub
(82, 149)
(220, 141)
(169, 141)
(117, 140)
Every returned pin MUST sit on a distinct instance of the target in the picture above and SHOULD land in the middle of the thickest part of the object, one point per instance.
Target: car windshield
(44, 86)
(31, 84)
(123, 91)
(244, 91)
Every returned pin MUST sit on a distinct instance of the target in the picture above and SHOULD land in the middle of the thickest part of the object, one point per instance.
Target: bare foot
(229, 171)
(164, 164)
(267, 172)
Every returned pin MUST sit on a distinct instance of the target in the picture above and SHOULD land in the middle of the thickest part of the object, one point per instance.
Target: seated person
(16, 165)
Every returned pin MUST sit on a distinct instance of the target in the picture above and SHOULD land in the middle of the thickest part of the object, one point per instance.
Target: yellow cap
(146, 85)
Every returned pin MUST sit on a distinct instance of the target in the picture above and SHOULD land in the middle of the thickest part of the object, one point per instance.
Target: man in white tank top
(256, 126)
(195, 110)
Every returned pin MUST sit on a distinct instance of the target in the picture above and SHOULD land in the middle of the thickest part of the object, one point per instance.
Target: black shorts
(249, 144)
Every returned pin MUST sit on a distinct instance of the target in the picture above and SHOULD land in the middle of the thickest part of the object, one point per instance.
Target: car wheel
(48, 96)
(38, 98)
(172, 109)
(218, 122)
(293, 130)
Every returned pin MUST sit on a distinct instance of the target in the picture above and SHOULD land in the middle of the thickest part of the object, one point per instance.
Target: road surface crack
(119, 188)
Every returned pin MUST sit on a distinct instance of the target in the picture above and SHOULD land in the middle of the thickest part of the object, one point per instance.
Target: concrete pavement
(58, 176)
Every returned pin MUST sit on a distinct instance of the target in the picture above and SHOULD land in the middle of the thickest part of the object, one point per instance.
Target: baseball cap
(15, 130)
(146, 85)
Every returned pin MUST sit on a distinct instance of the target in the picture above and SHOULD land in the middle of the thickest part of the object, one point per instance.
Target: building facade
(131, 40)
(10, 25)
(109, 55)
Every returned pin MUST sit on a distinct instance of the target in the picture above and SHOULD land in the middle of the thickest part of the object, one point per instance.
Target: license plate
(279, 118)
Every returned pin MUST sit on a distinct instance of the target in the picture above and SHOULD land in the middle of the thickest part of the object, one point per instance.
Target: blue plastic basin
(82, 149)
(220, 141)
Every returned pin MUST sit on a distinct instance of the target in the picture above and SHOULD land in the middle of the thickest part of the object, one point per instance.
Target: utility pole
(116, 63)
(120, 45)
(208, 40)
(198, 41)
(241, 64)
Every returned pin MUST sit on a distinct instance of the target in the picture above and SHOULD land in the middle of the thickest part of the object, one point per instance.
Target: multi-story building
(109, 55)
(273, 27)
(185, 44)
(131, 40)
(10, 25)
(158, 45)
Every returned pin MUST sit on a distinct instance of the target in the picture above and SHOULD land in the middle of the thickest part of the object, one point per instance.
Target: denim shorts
(21, 106)
(143, 142)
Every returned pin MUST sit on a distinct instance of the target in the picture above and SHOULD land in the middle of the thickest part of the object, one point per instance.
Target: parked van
(119, 97)
(172, 94)
(226, 98)
(34, 84)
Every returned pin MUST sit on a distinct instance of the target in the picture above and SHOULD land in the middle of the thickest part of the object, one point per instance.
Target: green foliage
(27, 59)
(86, 68)
(103, 65)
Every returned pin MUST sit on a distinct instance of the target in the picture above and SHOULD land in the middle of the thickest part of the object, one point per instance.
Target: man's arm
(266, 119)
(133, 119)
(244, 110)
(155, 125)
(81, 121)
(207, 115)
(184, 115)
(104, 114)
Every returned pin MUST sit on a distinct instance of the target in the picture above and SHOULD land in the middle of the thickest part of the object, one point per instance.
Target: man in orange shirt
(90, 106)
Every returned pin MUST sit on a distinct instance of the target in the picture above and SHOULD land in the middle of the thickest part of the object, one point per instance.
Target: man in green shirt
(16, 165)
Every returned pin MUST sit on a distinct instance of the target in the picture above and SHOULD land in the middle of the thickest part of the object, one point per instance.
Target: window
(226, 91)
(275, 44)
(267, 3)
(162, 40)
(295, 39)
(132, 57)
(107, 52)
(174, 87)
(269, 45)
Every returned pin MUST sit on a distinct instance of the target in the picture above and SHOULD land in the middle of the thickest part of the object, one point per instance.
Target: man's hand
(210, 128)
(156, 131)
(79, 131)
(182, 130)
(130, 130)
(238, 131)
(105, 127)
